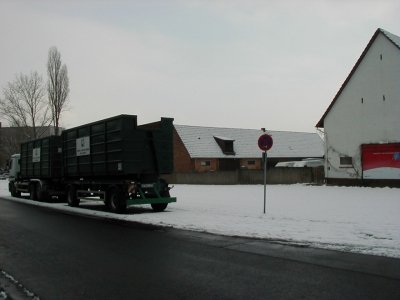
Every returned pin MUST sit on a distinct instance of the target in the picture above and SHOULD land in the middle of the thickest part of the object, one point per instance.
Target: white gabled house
(362, 124)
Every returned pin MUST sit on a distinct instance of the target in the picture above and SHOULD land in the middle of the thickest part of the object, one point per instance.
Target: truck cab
(14, 168)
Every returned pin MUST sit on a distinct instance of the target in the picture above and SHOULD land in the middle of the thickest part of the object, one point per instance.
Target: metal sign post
(265, 143)
(265, 179)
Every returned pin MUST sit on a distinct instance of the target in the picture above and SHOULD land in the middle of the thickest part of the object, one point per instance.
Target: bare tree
(23, 103)
(57, 86)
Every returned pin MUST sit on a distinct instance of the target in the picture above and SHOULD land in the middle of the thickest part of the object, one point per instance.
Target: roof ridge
(216, 127)
(392, 37)
(252, 129)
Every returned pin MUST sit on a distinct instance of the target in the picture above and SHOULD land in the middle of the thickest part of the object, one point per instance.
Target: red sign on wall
(381, 161)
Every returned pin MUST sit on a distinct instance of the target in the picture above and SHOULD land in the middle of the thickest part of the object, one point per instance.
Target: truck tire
(32, 192)
(62, 198)
(13, 190)
(41, 194)
(107, 202)
(117, 201)
(158, 207)
(72, 199)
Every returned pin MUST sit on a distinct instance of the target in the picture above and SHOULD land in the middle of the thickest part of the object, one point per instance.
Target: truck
(114, 160)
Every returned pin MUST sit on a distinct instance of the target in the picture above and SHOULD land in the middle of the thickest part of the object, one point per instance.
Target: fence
(274, 176)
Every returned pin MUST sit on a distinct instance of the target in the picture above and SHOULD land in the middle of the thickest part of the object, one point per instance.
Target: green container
(118, 147)
(41, 158)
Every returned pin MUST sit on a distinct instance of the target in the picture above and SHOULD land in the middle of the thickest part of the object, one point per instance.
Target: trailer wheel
(32, 192)
(158, 207)
(116, 201)
(72, 199)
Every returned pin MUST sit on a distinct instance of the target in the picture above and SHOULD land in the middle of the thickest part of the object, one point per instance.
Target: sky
(227, 63)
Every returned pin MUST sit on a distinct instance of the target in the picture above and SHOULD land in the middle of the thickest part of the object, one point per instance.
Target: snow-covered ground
(363, 220)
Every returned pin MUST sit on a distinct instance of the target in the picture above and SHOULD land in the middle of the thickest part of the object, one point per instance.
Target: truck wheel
(72, 199)
(62, 198)
(13, 191)
(32, 192)
(158, 207)
(117, 201)
(107, 202)
(41, 194)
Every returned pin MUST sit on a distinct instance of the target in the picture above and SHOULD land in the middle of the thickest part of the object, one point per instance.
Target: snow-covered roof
(390, 36)
(394, 38)
(224, 138)
(200, 142)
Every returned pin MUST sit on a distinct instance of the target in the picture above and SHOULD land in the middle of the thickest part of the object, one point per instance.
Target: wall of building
(202, 165)
(182, 160)
(366, 112)
(274, 176)
(183, 163)
(251, 163)
(216, 164)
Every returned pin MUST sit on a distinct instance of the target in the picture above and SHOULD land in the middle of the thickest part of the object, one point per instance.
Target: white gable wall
(361, 115)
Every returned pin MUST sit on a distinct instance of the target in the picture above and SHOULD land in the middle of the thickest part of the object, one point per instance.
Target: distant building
(362, 124)
(12, 137)
(207, 149)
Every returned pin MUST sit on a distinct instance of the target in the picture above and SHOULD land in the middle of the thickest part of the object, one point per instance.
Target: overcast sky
(228, 63)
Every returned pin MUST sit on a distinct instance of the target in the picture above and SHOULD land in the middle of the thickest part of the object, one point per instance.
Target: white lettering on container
(83, 146)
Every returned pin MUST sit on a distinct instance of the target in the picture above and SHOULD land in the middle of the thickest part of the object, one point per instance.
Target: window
(226, 145)
(251, 162)
(346, 161)
(205, 163)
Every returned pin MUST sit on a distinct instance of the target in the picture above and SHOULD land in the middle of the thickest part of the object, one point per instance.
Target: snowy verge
(353, 219)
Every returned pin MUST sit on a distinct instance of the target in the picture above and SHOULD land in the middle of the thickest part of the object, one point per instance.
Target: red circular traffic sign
(265, 142)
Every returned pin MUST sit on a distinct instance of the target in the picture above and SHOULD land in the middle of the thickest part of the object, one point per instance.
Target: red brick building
(209, 149)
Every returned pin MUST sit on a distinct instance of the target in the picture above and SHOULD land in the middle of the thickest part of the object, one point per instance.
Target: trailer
(112, 159)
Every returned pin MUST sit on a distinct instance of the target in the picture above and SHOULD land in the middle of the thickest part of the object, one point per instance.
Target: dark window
(205, 163)
(346, 161)
(225, 144)
(251, 162)
(229, 147)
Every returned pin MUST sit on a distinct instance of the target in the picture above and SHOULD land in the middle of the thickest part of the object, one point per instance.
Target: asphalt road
(62, 256)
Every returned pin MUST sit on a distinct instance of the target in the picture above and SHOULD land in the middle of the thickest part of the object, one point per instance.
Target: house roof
(224, 138)
(200, 142)
(391, 37)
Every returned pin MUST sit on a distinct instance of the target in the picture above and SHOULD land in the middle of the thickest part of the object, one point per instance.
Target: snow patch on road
(17, 287)
(3, 294)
